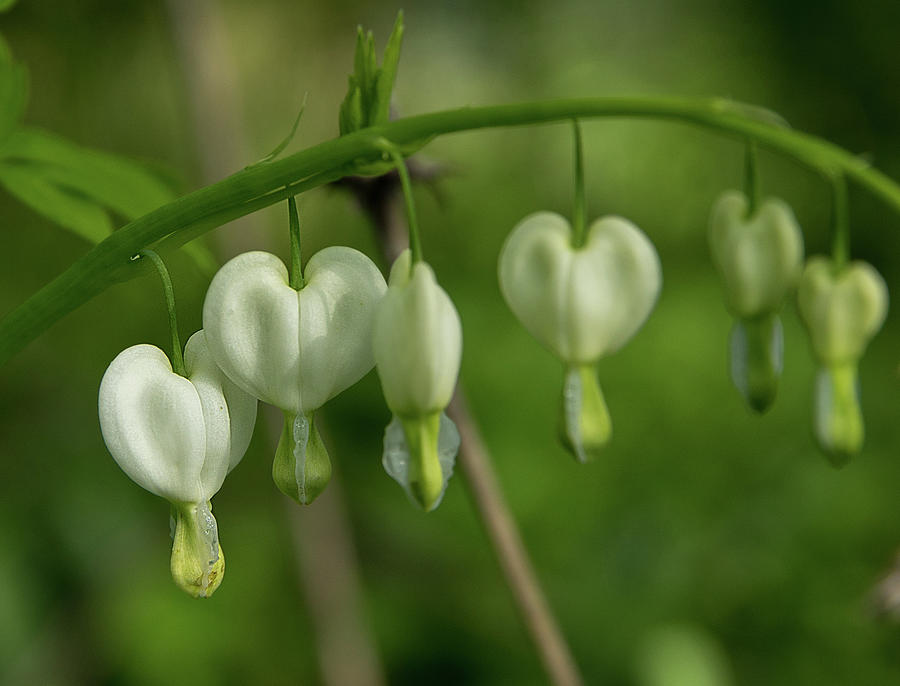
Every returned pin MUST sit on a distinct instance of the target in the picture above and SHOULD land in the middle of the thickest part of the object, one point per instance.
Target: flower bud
(178, 437)
(417, 347)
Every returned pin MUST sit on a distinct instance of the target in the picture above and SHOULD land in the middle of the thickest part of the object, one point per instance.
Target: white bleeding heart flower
(295, 349)
(581, 303)
(842, 310)
(759, 258)
(418, 346)
(178, 437)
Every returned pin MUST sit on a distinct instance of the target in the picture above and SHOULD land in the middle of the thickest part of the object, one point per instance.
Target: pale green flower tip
(759, 257)
(757, 359)
(302, 468)
(842, 310)
(197, 563)
(838, 420)
(419, 454)
(585, 424)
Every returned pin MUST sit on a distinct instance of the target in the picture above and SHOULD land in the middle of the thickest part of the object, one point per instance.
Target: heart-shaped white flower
(841, 310)
(581, 303)
(759, 257)
(294, 349)
(176, 437)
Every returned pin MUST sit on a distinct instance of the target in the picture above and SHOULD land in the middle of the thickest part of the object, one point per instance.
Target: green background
(703, 522)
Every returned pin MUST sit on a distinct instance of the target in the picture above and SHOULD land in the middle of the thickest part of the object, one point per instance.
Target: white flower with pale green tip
(417, 348)
(842, 310)
(759, 257)
(582, 303)
(295, 349)
(178, 437)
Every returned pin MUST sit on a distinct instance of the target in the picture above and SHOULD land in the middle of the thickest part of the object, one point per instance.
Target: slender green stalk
(177, 356)
(264, 184)
(415, 239)
(840, 222)
(296, 275)
(751, 177)
(579, 219)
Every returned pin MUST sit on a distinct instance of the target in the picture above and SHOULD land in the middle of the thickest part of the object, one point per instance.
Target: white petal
(152, 422)
(294, 350)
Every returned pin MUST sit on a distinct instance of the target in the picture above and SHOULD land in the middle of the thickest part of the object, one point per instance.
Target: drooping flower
(417, 348)
(582, 303)
(759, 258)
(295, 349)
(843, 310)
(178, 437)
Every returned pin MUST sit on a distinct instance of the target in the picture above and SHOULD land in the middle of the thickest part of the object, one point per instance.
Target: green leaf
(388, 74)
(287, 139)
(6, 5)
(123, 186)
(69, 210)
(13, 92)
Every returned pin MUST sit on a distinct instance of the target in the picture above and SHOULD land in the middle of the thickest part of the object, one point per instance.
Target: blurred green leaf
(13, 91)
(114, 182)
(6, 5)
(69, 210)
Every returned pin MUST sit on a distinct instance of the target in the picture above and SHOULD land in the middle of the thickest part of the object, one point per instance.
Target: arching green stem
(177, 356)
(751, 177)
(840, 222)
(296, 275)
(415, 241)
(264, 184)
(579, 218)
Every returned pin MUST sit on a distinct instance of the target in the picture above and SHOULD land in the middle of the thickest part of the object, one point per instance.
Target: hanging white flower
(178, 437)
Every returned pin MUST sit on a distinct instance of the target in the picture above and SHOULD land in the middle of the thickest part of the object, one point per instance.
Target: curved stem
(579, 219)
(177, 356)
(840, 222)
(296, 275)
(415, 240)
(266, 183)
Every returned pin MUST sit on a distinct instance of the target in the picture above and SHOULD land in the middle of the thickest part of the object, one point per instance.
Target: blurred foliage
(699, 516)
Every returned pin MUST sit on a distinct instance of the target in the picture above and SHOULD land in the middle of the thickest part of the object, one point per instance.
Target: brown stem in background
(380, 199)
(323, 543)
